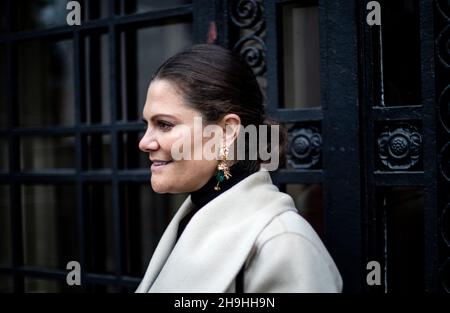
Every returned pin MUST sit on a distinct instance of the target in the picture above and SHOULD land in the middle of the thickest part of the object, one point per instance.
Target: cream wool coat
(252, 222)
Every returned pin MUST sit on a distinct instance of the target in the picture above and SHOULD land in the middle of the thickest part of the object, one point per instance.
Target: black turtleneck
(205, 194)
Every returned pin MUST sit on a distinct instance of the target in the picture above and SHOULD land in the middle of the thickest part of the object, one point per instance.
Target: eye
(165, 126)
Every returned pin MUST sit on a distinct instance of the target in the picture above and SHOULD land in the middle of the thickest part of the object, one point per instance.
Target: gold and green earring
(223, 171)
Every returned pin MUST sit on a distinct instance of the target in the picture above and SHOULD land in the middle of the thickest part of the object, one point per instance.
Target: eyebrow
(161, 115)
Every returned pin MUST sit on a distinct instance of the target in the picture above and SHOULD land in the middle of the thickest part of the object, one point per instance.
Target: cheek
(197, 171)
(168, 140)
(190, 175)
(180, 140)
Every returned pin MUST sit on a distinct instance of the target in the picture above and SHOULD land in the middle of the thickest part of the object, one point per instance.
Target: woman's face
(169, 120)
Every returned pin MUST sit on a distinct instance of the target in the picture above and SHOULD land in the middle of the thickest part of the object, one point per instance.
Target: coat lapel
(217, 240)
(164, 247)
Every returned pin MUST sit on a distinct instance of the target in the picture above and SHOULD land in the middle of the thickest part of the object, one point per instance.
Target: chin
(160, 191)
(159, 187)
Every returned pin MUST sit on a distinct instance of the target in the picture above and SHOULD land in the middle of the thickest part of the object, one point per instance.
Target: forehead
(164, 98)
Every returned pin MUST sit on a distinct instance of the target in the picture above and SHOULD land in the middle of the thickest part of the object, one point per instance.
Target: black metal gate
(367, 109)
(374, 148)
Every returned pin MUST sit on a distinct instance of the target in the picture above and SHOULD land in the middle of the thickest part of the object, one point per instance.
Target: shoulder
(288, 222)
(291, 228)
(289, 256)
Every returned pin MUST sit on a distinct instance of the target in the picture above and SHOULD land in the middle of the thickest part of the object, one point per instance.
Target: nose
(148, 142)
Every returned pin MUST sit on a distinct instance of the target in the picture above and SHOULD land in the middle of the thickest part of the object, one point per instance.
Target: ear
(230, 124)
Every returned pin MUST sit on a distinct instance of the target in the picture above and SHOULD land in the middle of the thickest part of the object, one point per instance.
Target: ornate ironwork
(443, 90)
(305, 146)
(445, 273)
(444, 108)
(444, 8)
(443, 46)
(248, 16)
(444, 222)
(400, 149)
(444, 161)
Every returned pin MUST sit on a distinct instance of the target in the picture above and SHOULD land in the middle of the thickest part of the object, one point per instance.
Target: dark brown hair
(216, 81)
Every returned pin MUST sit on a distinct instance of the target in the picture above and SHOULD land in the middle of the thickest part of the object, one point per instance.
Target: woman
(235, 232)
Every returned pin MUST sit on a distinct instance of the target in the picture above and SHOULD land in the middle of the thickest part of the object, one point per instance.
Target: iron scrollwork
(444, 161)
(400, 148)
(248, 16)
(442, 68)
(444, 108)
(444, 273)
(443, 44)
(444, 8)
(444, 222)
(305, 146)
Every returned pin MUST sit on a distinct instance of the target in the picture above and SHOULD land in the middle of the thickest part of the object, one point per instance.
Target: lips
(159, 165)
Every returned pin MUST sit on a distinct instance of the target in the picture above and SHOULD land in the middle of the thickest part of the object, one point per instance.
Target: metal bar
(398, 113)
(152, 17)
(126, 281)
(298, 176)
(83, 128)
(130, 72)
(428, 92)
(57, 176)
(223, 22)
(134, 175)
(38, 272)
(301, 3)
(204, 14)
(398, 178)
(130, 250)
(49, 131)
(14, 155)
(93, 9)
(373, 243)
(94, 74)
(118, 8)
(79, 98)
(299, 115)
(49, 273)
(57, 33)
(340, 130)
(271, 17)
(8, 16)
(114, 67)
(155, 16)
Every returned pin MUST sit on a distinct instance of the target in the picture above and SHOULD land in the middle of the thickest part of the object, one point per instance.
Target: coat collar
(217, 240)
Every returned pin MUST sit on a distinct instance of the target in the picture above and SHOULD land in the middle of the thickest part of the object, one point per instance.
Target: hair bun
(282, 139)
